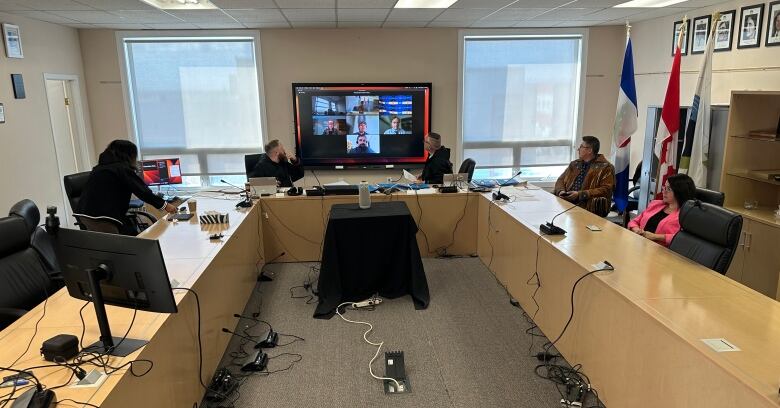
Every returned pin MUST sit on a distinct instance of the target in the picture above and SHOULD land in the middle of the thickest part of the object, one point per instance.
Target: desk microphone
(498, 195)
(247, 202)
(549, 228)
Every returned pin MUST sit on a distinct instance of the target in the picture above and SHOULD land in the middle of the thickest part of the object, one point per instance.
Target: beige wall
(428, 55)
(28, 162)
(746, 69)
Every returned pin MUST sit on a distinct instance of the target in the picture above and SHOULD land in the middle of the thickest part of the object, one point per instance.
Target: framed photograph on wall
(13, 41)
(751, 19)
(684, 45)
(701, 31)
(725, 31)
(773, 24)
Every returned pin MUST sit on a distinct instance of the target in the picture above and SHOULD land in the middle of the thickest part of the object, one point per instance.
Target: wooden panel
(762, 260)
(737, 263)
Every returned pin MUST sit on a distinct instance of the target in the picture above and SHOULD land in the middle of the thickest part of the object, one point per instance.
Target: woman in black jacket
(111, 184)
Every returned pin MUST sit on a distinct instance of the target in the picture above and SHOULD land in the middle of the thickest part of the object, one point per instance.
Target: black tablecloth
(370, 251)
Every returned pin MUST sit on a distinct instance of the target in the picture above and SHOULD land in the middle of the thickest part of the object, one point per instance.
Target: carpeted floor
(468, 349)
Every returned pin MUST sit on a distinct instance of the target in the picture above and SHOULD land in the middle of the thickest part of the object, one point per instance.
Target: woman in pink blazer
(659, 222)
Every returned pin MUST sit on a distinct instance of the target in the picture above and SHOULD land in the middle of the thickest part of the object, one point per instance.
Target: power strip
(374, 301)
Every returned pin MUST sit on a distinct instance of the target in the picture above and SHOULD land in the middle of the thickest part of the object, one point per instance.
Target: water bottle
(364, 200)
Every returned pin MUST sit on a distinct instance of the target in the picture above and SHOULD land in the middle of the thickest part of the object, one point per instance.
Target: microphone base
(498, 196)
(257, 363)
(550, 229)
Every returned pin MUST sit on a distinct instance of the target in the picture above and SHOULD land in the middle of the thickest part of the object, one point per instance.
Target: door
(69, 143)
(762, 259)
(736, 267)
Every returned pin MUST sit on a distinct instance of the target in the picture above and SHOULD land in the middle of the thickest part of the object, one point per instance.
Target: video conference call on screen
(361, 124)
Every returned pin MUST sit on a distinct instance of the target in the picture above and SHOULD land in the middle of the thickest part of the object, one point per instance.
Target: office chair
(710, 196)
(98, 224)
(468, 166)
(708, 235)
(74, 187)
(24, 279)
(250, 161)
(40, 240)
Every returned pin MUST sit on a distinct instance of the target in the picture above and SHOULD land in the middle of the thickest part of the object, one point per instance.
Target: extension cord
(366, 303)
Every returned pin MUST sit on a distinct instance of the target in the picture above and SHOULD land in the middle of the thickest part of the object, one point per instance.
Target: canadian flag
(669, 127)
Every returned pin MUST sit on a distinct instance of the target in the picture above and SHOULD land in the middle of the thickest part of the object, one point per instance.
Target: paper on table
(337, 183)
(410, 177)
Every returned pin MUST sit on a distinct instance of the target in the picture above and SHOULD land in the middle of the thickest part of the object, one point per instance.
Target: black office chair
(24, 279)
(74, 187)
(708, 235)
(710, 196)
(468, 167)
(250, 161)
(40, 240)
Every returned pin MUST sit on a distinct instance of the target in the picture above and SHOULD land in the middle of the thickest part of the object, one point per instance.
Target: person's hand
(170, 209)
(573, 196)
(637, 230)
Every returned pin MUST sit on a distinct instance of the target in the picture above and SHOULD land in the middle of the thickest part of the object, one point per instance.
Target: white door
(68, 143)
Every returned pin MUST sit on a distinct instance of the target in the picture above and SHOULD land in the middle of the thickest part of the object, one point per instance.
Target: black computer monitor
(118, 270)
(161, 172)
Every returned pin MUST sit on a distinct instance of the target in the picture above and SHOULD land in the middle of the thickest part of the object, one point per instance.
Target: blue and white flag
(625, 126)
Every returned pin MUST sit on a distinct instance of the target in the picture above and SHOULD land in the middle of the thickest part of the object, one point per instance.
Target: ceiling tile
(492, 4)
(267, 25)
(172, 26)
(510, 14)
(358, 24)
(110, 5)
(202, 16)
(660, 12)
(145, 16)
(492, 24)
(404, 24)
(314, 24)
(385, 4)
(89, 17)
(612, 14)
(42, 16)
(413, 14)
(463, 14)
(534, 24)
(54, 5)
(219, 26)
(82, 26)
(9, 5)
(306, 4)
(362, 14)
(456, 24)
(594, 3)
(548, 4)
(257, 16)
(565, 14)
(244, 4)
(577, 23)
(123, 26)
(310, 14)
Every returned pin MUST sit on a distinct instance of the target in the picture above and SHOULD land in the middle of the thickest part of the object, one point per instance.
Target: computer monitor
(118, 270)
(161, 172)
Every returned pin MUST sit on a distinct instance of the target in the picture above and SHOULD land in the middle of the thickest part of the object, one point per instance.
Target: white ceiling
(136, 15)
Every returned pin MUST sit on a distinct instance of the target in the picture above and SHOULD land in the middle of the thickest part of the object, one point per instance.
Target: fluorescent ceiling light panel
(181, 4)
(424, 3)
(649, 3)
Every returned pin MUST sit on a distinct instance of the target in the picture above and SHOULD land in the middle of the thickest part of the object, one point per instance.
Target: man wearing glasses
(588, 181)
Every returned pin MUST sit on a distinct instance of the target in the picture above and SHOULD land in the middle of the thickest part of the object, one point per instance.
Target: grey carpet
(469, 348)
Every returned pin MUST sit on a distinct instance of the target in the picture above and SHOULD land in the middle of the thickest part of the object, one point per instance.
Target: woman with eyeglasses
(659, 222)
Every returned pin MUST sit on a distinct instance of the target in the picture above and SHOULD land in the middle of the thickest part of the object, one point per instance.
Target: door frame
(79, 133)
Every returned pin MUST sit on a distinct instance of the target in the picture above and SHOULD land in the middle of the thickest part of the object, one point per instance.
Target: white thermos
(364, 199)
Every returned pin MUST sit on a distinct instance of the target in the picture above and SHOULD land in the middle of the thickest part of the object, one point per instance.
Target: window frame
(531, 33)
(190, 35)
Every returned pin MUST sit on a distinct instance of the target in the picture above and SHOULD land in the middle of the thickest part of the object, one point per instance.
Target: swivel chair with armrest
(250, 161)
(468, 167)
(710, 196)
(40, 240)
(74, 187)
(708, 235)
(24, 279)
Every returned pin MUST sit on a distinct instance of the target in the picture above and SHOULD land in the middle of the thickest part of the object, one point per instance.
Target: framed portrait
(750, 21)
(773, 24)
(701, 31)
(678, 25)
(13, 41)
(725, 31)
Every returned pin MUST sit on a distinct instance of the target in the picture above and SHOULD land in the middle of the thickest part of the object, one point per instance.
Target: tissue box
(213, 217)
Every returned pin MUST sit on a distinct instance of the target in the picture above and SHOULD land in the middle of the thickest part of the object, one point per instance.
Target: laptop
(457, 179)
(262, 185)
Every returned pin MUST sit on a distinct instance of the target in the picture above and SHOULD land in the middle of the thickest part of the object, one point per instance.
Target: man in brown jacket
(588, 181)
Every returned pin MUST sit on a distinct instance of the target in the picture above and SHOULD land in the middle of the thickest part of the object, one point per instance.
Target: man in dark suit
(438, 163)
(276, 163)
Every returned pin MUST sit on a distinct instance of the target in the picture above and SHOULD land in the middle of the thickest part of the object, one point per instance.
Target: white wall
(745, 69)
(28, 162)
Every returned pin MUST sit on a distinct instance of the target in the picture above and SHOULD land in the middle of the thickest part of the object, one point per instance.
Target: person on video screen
(362, 145)
(277, 163)
(332, 129)
(360, 107)
(395, 128)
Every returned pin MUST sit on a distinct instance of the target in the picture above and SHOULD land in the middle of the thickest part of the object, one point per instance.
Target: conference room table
(636, 330)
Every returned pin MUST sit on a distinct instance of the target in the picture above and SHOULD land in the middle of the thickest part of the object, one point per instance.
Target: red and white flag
(669, 126)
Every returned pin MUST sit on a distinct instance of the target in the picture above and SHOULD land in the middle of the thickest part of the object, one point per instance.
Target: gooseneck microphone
(498, 195)
(549, 228)
(247, 202)
(225, 330)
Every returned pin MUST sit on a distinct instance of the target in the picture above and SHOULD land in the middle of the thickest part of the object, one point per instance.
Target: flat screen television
(161, 172)
(351, 125)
